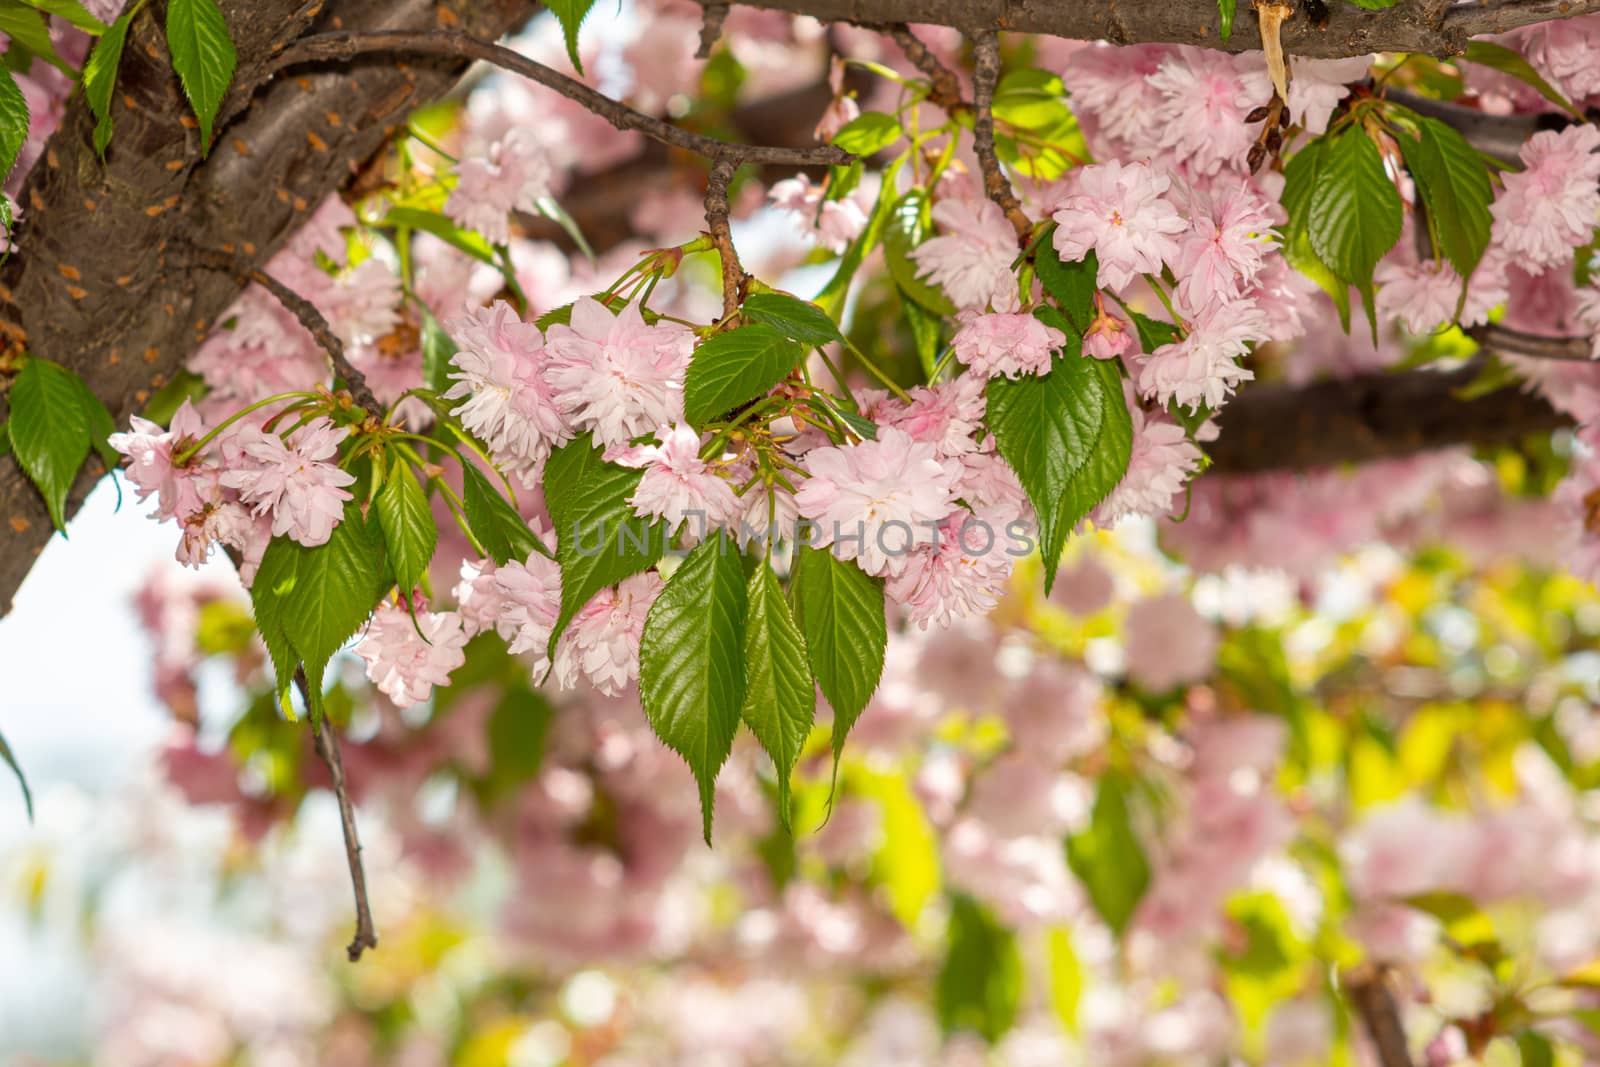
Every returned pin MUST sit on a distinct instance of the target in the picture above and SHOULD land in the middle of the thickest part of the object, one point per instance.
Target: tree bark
(102, 281)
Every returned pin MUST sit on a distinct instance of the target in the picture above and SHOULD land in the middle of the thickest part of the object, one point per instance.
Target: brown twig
(1368, 987)
(711, 28)
(346, 45)
(1535, 346)
(307, 314)
(733, 275)
(986, 70)
(366, 935)
(944, 90)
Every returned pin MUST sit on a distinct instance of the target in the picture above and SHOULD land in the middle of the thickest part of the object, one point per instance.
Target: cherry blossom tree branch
(344, 46)
(1368, 989)
(944, 89)
(986, 70)
(733, 275)
(1535, 346)
(366, 935)
(308, 315)
(711, 29)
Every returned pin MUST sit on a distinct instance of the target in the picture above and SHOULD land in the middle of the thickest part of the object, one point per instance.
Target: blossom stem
(1166, 301)
(888, 382)
(189, 453)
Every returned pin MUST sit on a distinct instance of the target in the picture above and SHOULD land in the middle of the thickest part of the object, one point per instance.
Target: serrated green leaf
(72, 11)
(49, 430)
(99, 423)
(599, 540)
(1046, 428)
(906, 226)
(980, 983)
(203, 57)
(1509, 61)
(503, 533)
(691, 663)
(1226, 9)
(100, 78)
(1108, 858)
(731, 368)
(409, 532)
(1354, 213)
(28, 29)
(1072, 285)
(841, 613)
(868, 134)
(798, 320)
(16, 768)
(780, 696)
(1455, 186)
(571, 14)
(13, 124)
(437, 348)
(1153, 333)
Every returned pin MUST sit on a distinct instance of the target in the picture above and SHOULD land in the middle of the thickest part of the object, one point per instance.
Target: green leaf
(1354, 213)
(49, 430)
(868, 134)
(409, 532)
(437, 348)
(552, 210)
(447, 231)
(1031, 99)
(691, 663)
(1535, 1049)
(798, 320)
(734, 367)
(1508, 61)
(100, 78)
(1072, 285)
(73, 12)
(571, 13)
(516, 732)
(1225, 13)
(502, 532)
(1068, 436)
(833, 294)
(925, 333)
(203, 55)
(780, 698)
(99, 422)
(1107, 857)
(13, 123)
(16, 768)
(309, 601)
(908, 224)
(599, 540)
(1455, 186)
(28, 29)
(1153, 333)
(980, 983)
(1374, 5)
(841, 613)
(1066, 977)
(5, 439)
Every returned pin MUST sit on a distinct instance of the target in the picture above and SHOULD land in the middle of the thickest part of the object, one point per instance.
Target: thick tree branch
(1349, 31)
(986, 70)
(347, 45)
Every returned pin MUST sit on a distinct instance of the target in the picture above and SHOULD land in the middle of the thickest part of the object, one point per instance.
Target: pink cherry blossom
(601, 645)
(506, 399)
(513, 175)
(480, 601)
(406, 664)
(1421, 295)
(180, 490)
(1114, 98)
(292, 481)
(1006, 343)
(1167, 643)
(1162, 460)
(680, 487)
(961, 571)
(1318, 85)
(972, 256)
(1225, 247)
(835, 223)
(614, 374)
(1203, 367)
(530, 600)
(874, 500)
(946, 415)
(1205, 97)
(1121, 212)
(227, 523)
(1552, 206)
(1108, 336)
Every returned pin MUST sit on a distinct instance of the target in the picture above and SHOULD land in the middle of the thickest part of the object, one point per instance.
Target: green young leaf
(908, 224)
(868, 134)
(781, 698)
(516, 732)
(49, 430)
(734, 367)
(571, 14)
(980, 983)
(502, 532)
(29, 29)
(925, 329)
(203, 56)
(409, 532)
(1031, 99)
(100, 424)
(798, 320)
(691, 663)
(73, 12)
(1072, 285)
(1455, 186)
(445, 230)
(841, 613)
(13, 123)
(1107, 857)
(100, 78)
(551, 209)
(1354, 212)
(1225, 12)
(309, 601)
(437, 348)
(1535, 1049)
(16, 768)
(1508, 61)
(599, 540)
